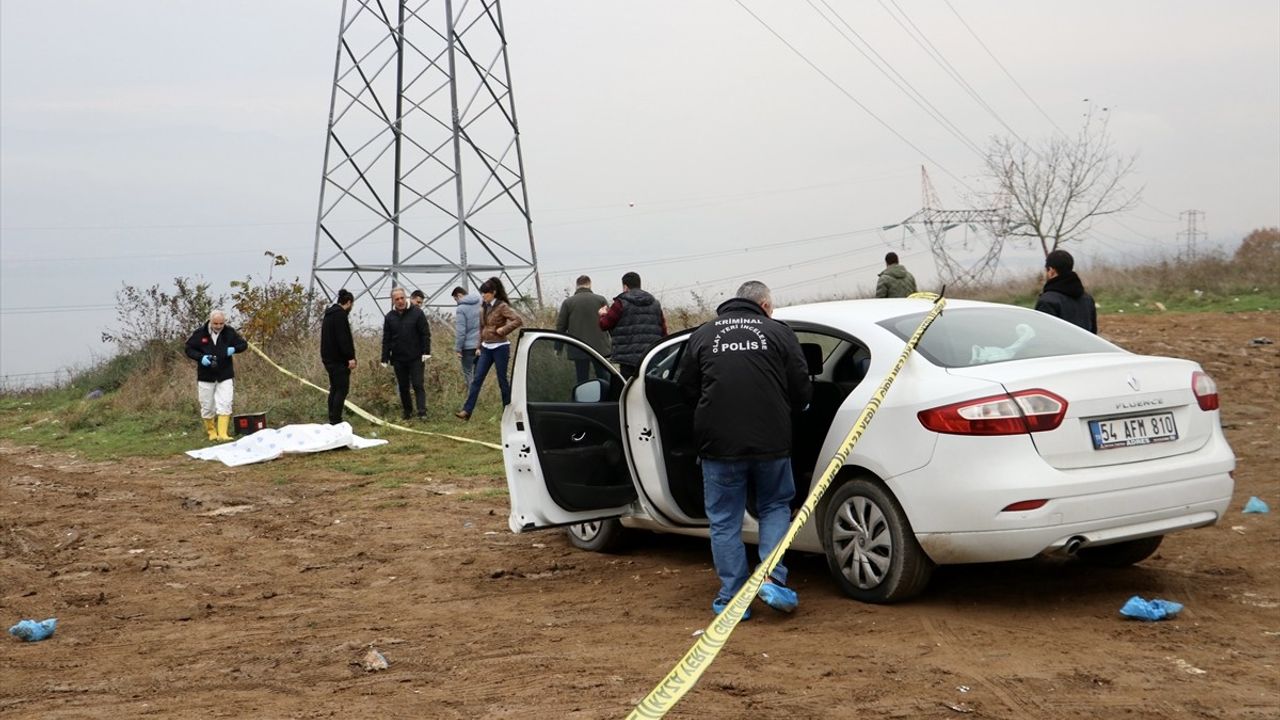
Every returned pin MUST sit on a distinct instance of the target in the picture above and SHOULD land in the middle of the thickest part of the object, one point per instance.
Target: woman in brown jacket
(497, 322)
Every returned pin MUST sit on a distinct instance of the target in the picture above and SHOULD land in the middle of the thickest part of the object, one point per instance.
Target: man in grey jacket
(466, 326)
(580, 317)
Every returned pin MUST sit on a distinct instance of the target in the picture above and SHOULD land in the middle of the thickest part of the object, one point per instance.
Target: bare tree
(1056, 190)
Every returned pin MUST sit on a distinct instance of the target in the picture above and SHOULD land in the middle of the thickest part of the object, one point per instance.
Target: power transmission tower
(423, 180)
(1191, 232)
(990, 226)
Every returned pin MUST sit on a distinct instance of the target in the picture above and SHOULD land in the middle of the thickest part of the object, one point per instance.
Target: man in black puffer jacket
(747, 375)
(1064, 294)
(635, 322)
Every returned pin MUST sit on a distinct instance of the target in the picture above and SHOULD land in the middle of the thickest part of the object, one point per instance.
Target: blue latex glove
(1256, 505)
(206, 360)
(231, 351)
(1140, 609)
(33, 630)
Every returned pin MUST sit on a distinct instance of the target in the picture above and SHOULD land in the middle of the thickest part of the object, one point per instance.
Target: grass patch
(493, 492)
(147, 403)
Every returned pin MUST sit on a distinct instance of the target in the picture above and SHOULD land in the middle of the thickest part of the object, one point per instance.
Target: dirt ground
(185, 590)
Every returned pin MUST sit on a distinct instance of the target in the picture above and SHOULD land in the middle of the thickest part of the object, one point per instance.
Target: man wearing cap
(212, 346)
(1064, 294)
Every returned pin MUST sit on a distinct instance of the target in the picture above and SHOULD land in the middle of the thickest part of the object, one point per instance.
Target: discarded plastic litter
(1256, 505)
(1140, 609)
(373, 661)
(34, 630)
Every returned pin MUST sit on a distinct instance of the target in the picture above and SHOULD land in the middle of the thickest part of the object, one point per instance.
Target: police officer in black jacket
(212, 346)
(406, 346)
(338, 352)
(747, 375)
(1064, 294)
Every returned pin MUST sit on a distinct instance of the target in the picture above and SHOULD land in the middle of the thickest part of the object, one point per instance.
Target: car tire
(600, 536)
(871, 551)
(1121, 554)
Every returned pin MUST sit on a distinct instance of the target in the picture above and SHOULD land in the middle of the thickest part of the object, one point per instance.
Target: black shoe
(422, 417)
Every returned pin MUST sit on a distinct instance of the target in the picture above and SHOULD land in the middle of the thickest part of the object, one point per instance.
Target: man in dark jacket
(212, 346)
(894, 281)
(1064, 294)
(636, 324)
(580, 317)
(406, 346)
(338, 352)
(748, 376)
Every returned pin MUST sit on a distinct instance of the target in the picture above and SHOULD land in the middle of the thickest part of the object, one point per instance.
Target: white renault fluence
(1009, 434)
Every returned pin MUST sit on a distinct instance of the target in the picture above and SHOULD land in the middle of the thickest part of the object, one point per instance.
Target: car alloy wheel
(871, 550)
(597, 535)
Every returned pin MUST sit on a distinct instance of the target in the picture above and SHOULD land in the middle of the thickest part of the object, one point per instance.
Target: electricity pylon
(989, 225)
(423, 181)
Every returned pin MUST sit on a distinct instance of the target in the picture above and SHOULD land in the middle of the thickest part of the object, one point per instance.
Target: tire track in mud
(953, 648)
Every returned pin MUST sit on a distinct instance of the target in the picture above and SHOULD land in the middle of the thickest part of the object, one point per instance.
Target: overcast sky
(144, 140)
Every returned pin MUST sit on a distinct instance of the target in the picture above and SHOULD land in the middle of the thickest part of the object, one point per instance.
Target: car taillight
(1025, 411)
(1205, 390)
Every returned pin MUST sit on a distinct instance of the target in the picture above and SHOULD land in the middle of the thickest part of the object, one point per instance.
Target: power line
(844, 252)
(715, 253)
(1003, 68)
(910, 90)
(53, 309)
(865, 266)
(942, 62)
(849, 95)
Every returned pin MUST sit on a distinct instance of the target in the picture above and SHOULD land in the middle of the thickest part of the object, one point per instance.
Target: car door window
(558, 372)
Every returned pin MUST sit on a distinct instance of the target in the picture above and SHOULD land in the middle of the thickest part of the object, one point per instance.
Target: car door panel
(581, 453)
(562, 439)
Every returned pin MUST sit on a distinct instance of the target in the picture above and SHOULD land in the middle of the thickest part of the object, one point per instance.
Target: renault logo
(1133, 383)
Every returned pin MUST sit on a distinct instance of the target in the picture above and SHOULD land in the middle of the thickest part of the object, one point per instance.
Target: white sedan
(1008, 434)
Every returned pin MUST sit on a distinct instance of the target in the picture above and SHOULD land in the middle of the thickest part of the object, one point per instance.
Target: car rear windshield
(966, 337)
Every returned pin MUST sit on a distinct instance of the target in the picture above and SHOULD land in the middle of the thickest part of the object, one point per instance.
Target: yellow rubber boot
(224, 422)
(209, 428)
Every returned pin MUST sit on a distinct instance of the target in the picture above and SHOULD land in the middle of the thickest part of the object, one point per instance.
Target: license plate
(1131, 431)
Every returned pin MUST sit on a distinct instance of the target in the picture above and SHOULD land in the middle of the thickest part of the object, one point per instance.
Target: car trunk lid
(1121, 407)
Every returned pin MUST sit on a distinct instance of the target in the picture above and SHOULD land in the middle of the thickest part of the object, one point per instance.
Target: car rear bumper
(958, 515)
(1109, 523)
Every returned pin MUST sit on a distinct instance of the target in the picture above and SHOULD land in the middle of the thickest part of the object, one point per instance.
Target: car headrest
(812, 357)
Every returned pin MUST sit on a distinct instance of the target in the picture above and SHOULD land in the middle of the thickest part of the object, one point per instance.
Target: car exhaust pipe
(1073, 545)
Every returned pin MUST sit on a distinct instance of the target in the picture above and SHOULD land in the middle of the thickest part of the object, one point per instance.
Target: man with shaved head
(212, 346)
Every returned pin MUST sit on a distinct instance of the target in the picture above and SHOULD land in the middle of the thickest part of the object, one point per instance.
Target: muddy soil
(185, 590)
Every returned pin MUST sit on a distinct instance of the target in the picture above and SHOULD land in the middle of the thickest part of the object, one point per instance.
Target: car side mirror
(591, 391)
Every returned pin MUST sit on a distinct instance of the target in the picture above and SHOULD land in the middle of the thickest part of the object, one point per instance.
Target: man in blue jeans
(747, 375)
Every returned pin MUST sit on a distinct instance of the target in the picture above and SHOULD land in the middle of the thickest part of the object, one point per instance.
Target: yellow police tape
(362, 413)
(686, 673)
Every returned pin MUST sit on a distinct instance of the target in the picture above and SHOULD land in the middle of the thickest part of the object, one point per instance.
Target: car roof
(847, 314)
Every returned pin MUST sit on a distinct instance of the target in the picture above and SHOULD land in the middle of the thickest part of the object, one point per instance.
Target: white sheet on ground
(271, 443)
